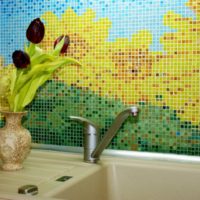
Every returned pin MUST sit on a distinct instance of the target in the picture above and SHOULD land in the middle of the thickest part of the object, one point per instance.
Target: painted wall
(134, 52)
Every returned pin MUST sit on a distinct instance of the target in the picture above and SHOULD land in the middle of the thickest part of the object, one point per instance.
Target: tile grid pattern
(145, 53)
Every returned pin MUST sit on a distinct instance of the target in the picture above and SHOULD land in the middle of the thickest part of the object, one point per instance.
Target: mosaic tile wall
(134, 52)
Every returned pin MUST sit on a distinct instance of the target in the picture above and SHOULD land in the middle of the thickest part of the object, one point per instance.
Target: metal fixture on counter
(28, 190)
(92, 147)
(63, 178)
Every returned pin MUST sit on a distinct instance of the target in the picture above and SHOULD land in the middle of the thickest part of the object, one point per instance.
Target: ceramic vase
(15, 141)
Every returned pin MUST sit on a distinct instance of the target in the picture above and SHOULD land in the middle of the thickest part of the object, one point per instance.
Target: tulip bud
(20, 59)
(65, 45)
(35, 31)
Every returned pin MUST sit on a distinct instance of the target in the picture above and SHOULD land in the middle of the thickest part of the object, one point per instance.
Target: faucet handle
(91, 137)
(86, 122)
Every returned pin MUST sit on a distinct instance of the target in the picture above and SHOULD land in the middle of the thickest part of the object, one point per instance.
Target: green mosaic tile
(153, 130)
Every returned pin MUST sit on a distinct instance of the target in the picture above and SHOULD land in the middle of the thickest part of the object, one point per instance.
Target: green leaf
(4, 85)
(43, 68)
(62, 61)
(42, 58)
(31, 49)
(58, 47)
(28, 92)
(13, 79)
(19, 97)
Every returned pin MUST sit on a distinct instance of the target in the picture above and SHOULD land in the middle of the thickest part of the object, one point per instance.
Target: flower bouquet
(18, 86)
(33, 67)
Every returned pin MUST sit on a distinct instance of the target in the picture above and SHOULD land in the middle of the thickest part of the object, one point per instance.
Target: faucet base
(91, 160)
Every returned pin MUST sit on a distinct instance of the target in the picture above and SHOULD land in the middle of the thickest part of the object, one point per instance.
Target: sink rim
(123, 153)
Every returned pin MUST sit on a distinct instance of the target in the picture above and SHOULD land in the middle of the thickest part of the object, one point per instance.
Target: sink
(44, 169)
(122, 179)
(64, 176)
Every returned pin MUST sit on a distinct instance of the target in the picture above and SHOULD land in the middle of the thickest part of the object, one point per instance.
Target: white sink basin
(113, 178)
(122, 179)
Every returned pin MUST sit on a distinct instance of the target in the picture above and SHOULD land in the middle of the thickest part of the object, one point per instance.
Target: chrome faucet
(92, 147)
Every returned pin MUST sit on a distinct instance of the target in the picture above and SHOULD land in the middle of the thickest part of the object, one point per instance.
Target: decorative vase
(15, 141)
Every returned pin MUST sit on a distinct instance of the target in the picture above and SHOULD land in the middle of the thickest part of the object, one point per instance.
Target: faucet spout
(109, 135)
(92, 147)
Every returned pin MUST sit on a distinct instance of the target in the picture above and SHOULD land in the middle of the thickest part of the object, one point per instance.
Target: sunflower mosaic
(127, 69)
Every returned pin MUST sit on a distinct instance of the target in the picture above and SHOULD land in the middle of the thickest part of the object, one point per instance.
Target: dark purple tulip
(65, 45)
(20, 59)
(35, 31)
